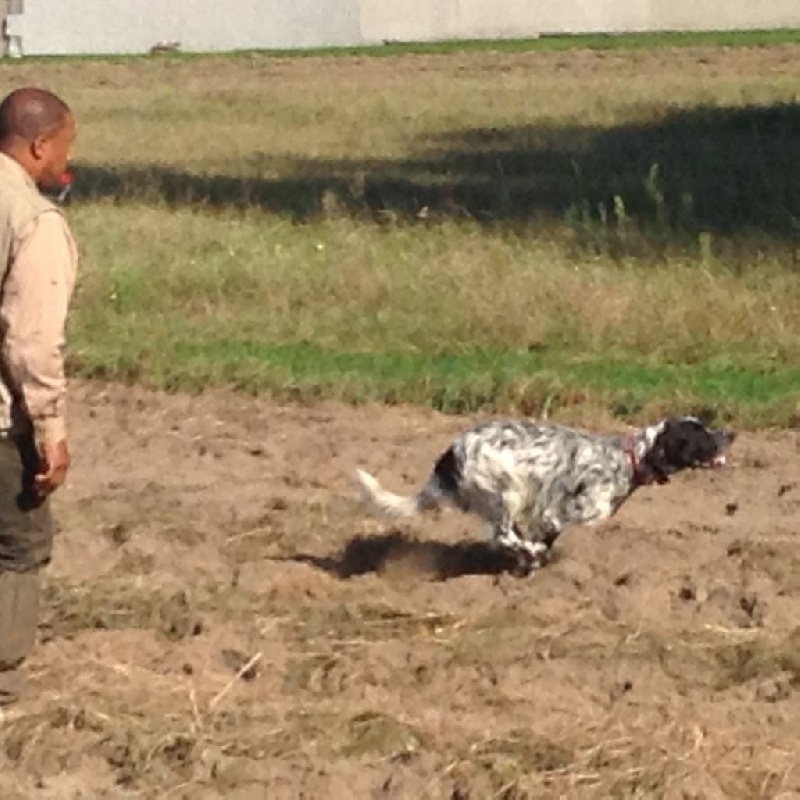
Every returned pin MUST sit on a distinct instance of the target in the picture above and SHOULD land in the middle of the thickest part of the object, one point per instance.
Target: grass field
(543, 228)
(580, 231)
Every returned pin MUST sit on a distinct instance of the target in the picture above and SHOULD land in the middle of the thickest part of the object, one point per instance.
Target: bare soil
(222, 620)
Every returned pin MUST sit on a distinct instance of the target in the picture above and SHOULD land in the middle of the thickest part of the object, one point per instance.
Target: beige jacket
(39, 262)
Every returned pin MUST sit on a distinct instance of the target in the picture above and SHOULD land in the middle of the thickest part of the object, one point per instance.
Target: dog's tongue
(719, 461)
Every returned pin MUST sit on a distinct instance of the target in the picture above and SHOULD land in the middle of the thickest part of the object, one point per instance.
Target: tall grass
(484, 230)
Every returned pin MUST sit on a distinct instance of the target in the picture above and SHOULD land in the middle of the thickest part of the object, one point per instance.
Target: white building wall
(134, 26)
(593, 16)
(431, 20)
(724, 14)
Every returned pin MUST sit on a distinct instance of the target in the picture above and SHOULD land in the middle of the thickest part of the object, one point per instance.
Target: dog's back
(484, 462)
(493, 452)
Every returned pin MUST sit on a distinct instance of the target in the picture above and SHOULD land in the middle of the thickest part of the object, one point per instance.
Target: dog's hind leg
(506, 536)
(510, 532)
(536, 538)
(530, 555)
(506, 527)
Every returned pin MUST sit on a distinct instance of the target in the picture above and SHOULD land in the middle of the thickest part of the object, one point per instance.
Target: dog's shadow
(396, 550)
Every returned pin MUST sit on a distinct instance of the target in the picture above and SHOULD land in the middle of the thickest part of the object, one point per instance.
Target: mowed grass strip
(768, 37)
(482, 230)
(468, 382)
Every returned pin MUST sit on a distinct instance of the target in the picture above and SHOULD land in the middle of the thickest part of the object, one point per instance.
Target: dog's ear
(659, 462)
(654, 466)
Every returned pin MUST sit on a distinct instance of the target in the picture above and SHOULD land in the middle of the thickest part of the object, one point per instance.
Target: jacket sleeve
(33, 313)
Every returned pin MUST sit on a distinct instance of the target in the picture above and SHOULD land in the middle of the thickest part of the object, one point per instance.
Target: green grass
(457, 383)
(532, 231)
(562, 42)
(543, 43)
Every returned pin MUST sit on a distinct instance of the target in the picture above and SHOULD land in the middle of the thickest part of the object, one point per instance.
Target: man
(38, 265)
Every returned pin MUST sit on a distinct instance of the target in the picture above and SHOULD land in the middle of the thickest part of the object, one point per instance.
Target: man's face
(53, 153)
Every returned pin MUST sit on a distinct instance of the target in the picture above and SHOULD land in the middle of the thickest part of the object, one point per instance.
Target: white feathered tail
(395, 505)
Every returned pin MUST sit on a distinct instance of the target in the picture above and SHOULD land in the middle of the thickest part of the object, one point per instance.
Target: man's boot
(19, 613)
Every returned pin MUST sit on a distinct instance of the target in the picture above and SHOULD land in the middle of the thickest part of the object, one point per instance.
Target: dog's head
(680, 443)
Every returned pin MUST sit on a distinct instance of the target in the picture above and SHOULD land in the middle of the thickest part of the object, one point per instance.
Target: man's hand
(54, 467)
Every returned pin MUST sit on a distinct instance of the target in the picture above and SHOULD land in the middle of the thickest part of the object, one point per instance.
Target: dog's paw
(530, 558)
(523, 566)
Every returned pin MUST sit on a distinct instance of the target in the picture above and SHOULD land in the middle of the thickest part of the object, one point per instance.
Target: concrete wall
(719, 14)
(431, 20)
(134, 26)
(602, 16)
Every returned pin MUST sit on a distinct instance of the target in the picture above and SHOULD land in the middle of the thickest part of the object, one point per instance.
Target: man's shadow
(440, 560)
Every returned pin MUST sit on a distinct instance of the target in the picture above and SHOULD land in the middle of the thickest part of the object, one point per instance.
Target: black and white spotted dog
(530, 481)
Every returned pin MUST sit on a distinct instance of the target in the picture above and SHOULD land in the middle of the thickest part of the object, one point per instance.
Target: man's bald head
(37, 130)
(26, 114)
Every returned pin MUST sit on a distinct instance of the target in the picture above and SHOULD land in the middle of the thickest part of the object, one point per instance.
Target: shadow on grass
(376, 554)
(724, 170)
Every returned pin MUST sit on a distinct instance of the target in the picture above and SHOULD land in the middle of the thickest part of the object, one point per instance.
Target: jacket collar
(9, 166)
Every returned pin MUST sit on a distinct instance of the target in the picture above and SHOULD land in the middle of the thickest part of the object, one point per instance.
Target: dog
(529, 481)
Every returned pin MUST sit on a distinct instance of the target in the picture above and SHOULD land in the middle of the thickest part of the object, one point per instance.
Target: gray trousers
(26, 543)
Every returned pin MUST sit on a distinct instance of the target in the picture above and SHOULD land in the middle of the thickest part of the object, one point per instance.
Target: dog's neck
(636, 447)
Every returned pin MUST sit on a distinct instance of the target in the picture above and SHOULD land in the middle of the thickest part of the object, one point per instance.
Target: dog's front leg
(548, 530)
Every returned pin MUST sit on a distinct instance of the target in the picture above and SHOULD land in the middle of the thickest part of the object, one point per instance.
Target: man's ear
(39, 147)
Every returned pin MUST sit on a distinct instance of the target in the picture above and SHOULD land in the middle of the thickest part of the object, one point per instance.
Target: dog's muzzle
(723, 439)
